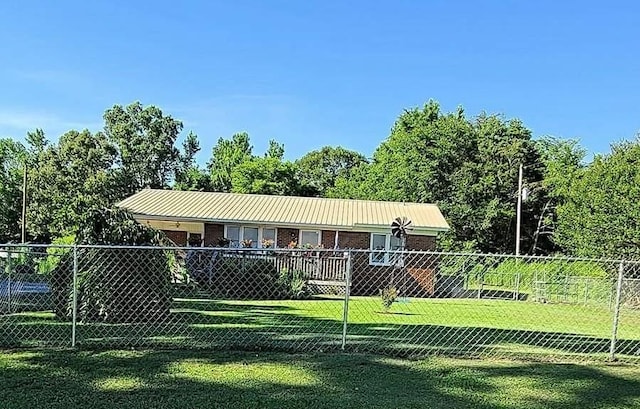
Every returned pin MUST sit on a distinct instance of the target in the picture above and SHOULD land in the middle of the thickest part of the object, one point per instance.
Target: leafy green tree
(489, 202)
(194, 178)
(66, 180)
(275, 150)
(415, 162)
(145, 139)
(12, 158)
(225, 156)
(563, 161)
(186, 158)
(234, 168)
(468, 167)
(36, 141)
(115, 285)
(268, 175)
(320, 169)
(600, 215)
(189, 176)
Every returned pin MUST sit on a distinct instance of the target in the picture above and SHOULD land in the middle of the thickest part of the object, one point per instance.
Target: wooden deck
(329, 269)
(318, 268)
(322, 270)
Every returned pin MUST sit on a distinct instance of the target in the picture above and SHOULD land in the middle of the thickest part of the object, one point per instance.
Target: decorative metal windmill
(399, 229)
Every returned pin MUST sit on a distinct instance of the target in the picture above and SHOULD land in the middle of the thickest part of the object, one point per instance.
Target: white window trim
(260, 233)
(387, 260)
(309, 231)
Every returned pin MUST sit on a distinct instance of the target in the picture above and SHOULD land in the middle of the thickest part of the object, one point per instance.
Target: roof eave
(357, 227)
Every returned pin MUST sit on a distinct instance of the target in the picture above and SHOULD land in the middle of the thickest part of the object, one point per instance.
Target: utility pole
(24, 204)
(519, 211)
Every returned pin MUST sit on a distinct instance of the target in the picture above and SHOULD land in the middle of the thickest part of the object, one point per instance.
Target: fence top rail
(19, 246)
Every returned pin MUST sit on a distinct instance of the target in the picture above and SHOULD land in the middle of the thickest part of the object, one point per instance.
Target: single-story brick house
(260, 221)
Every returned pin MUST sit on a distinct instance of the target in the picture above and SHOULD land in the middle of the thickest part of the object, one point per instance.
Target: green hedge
(239, 277)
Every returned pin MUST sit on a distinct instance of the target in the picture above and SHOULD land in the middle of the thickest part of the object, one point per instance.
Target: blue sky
(314, 73)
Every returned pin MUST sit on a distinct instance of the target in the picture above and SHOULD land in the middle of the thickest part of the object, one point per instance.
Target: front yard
(181, 379)
(454, 327)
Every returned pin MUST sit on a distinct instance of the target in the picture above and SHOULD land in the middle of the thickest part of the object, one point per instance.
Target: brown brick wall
(362, 240)
(213, 233)
(416, 280)
(427, 243)
(367, 279)
(353, 240)
(328, 239)
(286, 235)
(178, 237)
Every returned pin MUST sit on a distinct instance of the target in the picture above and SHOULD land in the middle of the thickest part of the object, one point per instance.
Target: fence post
(616, 312)
(74, 313)
(345, 310)
(517, 293)
(9, 268)
(481, 284)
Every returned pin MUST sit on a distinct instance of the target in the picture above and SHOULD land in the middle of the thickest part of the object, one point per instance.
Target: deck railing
(315, 266)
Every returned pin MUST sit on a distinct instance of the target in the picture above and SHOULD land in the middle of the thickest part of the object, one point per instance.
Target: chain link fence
(395, 303)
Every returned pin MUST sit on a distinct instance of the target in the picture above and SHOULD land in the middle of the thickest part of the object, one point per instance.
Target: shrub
(123, 285)
(241, 277)
(238, 276)
(114, 285)
(55, 254)
(62, 286)
(388, 296)
(294, 284)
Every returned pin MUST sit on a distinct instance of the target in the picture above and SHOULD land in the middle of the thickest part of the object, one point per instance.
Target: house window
(250, 236)
(268, 237)
(309, 238)
(232, 233)
(381, 244)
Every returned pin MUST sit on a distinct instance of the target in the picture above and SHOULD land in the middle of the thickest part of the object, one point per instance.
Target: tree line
(467, 165)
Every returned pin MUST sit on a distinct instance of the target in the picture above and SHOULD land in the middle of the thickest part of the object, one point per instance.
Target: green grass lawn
(188, 379)
(453, 327)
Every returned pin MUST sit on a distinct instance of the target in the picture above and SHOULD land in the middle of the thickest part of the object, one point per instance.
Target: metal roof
(344, 214)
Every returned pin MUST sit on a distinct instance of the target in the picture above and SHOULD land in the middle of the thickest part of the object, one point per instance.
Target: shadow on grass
(176, 379)
(211, 324)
